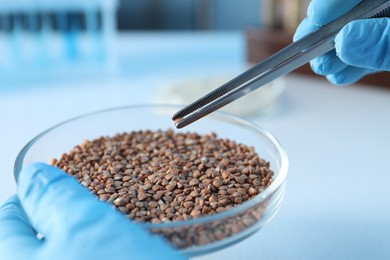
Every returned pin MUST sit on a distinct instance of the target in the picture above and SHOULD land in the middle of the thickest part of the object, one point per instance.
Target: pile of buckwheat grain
(159, 176)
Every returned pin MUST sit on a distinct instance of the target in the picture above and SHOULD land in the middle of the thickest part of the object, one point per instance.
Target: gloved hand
(362, 46)
(75, 225)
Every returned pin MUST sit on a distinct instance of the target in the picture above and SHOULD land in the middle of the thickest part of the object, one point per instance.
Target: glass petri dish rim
(278, 181)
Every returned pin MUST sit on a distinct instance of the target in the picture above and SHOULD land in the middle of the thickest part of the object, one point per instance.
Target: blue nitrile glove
(74, 223)
(362, 46)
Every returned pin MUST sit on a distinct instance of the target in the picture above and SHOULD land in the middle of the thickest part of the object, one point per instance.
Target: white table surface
(337, 203)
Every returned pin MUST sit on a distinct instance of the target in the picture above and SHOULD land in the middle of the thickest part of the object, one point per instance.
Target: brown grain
(160, 176)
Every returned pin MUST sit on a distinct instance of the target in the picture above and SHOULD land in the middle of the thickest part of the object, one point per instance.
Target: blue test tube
(15, 40)
(8, 54)
(32, 25)
(92, 32)
(44, 40)
(71, 38)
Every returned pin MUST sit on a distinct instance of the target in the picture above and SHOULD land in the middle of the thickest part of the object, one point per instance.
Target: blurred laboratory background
(61, 59)
(46, 39)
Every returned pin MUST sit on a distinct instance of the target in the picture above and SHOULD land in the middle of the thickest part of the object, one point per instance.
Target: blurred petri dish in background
(261, 102)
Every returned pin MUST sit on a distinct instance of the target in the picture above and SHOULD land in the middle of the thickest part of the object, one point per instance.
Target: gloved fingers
(17, 237)
(324, 64)
(56, 204)
(321, 12)
(348, 75)
(304, 28)
(327, 64)
(370, 39)
(64, 212)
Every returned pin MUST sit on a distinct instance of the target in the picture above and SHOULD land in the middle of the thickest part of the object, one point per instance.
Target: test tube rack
(43, 38)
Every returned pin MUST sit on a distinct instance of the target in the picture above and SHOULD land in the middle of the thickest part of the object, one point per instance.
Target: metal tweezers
(286, 60)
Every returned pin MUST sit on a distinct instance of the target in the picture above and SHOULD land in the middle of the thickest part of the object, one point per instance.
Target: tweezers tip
(178, 122)
(175, 116)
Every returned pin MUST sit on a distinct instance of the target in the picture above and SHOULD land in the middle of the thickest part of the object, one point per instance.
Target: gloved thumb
(365, 44)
